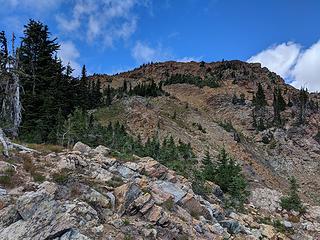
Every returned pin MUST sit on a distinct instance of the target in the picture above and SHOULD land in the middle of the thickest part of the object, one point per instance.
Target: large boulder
(266, 199)
(37, 215)
(167, 190)
(81, 147)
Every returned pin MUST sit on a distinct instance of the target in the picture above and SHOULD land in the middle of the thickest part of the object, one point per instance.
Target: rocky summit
(85, 193)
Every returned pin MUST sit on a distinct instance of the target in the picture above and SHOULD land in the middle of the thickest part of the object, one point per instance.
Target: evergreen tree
(208, 167)
(292, 201)
(229, 177)
(3, 51)
(108, 96)
(303, 100)
(41, 71)
(84, 89)
(279, 105)
(260, 98)
(125, 86)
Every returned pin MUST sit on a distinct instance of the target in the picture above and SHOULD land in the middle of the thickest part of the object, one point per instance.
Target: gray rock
(171, 188)
(287, 224)
(232, 226)
(102, 150)
(217, 229)
(8, 216)
(37, 215)
(3, 192)
(81, 147)
(97, 198)
(73, 235)
(266, 198)
(126, 172)
(198, 228)
(216, 191)
(112, 199)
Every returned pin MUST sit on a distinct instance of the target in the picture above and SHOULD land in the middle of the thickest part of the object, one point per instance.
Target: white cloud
(102, 20)
(143, 53)
(306, 72)
(70, 54)
(301, 67)
(279, 58)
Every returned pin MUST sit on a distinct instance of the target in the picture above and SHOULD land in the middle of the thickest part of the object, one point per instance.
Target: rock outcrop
(88, 194)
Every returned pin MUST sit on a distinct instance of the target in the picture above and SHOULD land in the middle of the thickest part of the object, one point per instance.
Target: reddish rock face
(268, 157)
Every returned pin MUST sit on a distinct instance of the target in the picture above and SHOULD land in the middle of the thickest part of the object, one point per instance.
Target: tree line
(48, 92)
(299, 103)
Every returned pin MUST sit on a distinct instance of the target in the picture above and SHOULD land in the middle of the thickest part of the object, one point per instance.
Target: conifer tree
(3, 51)
(229, 177)
(108, 96)
(260, 98)
(279, 105)
(41, 71)
(292, 201)
(208, 167)
(303, 100)
(84, 89)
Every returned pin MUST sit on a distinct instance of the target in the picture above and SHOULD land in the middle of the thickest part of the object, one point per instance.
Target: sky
(111, 36)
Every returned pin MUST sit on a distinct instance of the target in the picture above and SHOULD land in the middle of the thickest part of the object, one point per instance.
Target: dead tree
(10, 111)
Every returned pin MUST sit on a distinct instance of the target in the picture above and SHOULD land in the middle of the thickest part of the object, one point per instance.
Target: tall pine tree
(41, 71)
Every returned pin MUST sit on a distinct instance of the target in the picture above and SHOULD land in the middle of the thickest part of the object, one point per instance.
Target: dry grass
(6, 177)
(112, 114)
(46, 148)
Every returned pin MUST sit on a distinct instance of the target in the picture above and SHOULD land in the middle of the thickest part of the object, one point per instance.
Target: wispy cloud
(70, 54)
(143, 53)
(299, 66)
(105, 21)
(37, 5)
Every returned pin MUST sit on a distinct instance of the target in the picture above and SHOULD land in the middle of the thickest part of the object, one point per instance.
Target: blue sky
(109, 36)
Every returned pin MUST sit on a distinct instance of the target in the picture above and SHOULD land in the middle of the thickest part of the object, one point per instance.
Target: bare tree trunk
(7, 145)
(4, 143)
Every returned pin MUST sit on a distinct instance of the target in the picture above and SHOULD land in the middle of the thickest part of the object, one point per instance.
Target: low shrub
(61, 177)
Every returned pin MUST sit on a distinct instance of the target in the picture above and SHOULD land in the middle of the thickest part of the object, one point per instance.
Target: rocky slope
(88, 194)
(291, 150)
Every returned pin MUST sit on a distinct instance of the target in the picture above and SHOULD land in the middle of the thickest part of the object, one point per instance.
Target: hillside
(291, 149)
(169, 151)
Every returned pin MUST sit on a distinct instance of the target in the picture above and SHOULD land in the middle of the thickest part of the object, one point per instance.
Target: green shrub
(126, 222)
(227, 125)
(61, 177)
(293, 201)
(279, 226)
(115, 182)
(5, 180)
(168, 204)
(38, 177)
(6, 177)
(128, 237)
